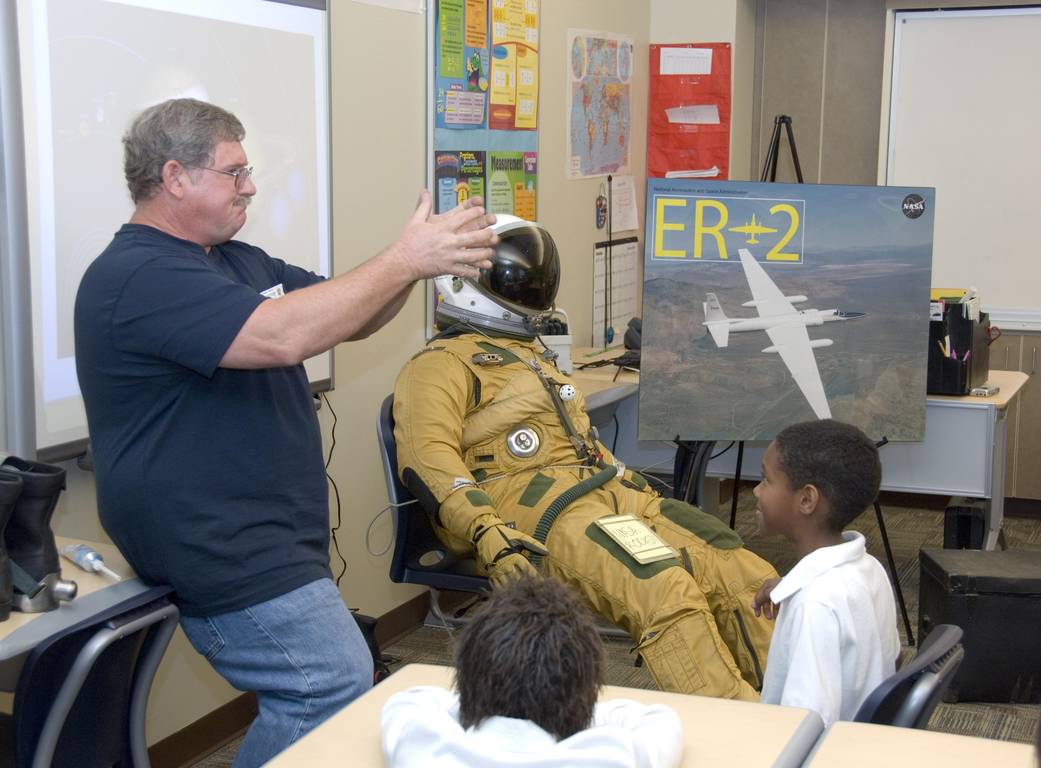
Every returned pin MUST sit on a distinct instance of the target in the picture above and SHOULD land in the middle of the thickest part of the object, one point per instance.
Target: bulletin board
(688, 113)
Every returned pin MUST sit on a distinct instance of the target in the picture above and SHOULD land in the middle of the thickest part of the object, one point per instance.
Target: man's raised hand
(458, 242)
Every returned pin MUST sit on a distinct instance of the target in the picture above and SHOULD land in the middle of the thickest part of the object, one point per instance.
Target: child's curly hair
(531, 652)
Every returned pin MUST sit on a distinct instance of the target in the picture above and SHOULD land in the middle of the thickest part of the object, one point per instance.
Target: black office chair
(419, 556)
(908, 697)
(82, 693)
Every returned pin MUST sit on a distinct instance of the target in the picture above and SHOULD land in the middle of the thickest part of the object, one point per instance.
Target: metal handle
(1006, 359)
(1033, 360)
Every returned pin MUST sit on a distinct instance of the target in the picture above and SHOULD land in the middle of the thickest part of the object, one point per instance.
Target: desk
(606, 388)
(22, 631)
(962, 454)
(862, 745)
(716, 731)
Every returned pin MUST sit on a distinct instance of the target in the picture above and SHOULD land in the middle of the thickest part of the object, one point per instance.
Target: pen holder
(959, 357)
(946, 375)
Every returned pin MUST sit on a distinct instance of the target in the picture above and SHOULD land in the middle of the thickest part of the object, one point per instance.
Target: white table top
(862, 745)
(597, 379)
(716, 731)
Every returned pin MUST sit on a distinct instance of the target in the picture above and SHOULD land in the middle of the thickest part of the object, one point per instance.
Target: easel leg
(892, 572)
(737, 483)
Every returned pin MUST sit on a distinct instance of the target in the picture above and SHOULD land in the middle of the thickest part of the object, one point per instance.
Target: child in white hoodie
(529, 667)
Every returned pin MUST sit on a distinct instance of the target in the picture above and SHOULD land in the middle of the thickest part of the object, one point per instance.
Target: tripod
(889, 559)
(770, 165)
(769, 174)
(692, 456)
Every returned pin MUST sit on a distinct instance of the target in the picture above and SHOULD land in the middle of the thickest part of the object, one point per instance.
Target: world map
(599, 117)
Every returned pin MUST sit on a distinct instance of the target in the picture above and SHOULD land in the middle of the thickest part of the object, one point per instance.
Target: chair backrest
(82, 693)
(419, 556)
(908, 697)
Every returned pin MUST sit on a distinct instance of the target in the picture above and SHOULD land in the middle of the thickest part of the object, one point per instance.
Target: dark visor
(525, 269)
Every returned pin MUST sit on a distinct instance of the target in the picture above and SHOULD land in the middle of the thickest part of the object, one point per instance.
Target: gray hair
(185, 130)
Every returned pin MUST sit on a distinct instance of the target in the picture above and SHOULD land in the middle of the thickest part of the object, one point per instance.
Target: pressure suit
(490, 432)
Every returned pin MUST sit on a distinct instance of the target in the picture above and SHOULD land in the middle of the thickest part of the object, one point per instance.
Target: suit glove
(501, 550)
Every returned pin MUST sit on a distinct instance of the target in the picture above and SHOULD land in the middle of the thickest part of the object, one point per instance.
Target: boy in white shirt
(836, 636)
(529, 667)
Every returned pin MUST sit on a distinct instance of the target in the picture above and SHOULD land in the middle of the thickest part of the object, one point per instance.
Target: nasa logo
(913, 206)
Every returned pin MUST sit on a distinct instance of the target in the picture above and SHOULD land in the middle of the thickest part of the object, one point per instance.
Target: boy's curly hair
(531, 652)
(837, 458)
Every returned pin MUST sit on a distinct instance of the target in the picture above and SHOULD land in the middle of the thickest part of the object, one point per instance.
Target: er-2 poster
(770, 304)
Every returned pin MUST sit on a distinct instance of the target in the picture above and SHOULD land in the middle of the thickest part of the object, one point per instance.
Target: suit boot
(10, 490)
(30, 541)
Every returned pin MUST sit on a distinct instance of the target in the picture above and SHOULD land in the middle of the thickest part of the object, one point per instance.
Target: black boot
(30, 541)
(10, 489)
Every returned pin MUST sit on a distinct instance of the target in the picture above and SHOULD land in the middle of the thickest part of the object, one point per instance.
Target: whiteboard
(87, 68)
(963, 117)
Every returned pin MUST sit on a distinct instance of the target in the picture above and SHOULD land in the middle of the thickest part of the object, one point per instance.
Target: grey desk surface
(22, 631)
(953, 459)
(716, 731)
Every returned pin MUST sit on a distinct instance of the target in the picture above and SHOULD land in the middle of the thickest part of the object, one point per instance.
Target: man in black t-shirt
(189, 350)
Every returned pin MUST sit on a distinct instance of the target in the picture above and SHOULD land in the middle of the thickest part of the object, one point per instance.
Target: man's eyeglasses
(239, 174)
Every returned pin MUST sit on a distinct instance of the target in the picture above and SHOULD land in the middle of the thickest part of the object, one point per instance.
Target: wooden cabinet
(1021, 351)
(1004, 356)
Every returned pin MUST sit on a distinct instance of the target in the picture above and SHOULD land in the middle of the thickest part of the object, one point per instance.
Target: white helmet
(516, 295)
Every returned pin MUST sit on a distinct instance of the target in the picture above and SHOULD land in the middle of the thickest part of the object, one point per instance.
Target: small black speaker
(964, 524)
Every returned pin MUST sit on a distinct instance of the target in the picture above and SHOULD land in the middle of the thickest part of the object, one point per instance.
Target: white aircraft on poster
(784, 324)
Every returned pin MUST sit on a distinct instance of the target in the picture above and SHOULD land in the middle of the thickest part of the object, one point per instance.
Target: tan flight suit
(690, 616)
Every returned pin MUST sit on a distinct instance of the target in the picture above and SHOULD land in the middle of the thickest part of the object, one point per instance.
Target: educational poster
(461, 50)
(515, 65)
(770, 304)
(600, 72)
(688, 111)
(511, 183)
(484, 114)
(485, 73)
(457, 177)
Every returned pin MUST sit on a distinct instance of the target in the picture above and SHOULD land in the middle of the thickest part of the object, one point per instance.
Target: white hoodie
(420, 727)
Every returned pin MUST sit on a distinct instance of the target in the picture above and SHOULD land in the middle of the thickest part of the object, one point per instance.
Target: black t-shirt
(209, 479)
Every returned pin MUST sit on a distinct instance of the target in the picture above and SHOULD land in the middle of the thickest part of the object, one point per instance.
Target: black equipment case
(995, 597)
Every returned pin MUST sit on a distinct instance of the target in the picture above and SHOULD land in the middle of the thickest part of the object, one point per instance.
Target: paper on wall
(694, 173)
(624, 216)
(685, 61)
(695, 114)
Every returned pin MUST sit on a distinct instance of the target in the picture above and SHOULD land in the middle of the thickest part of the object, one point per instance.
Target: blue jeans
(301, 652)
